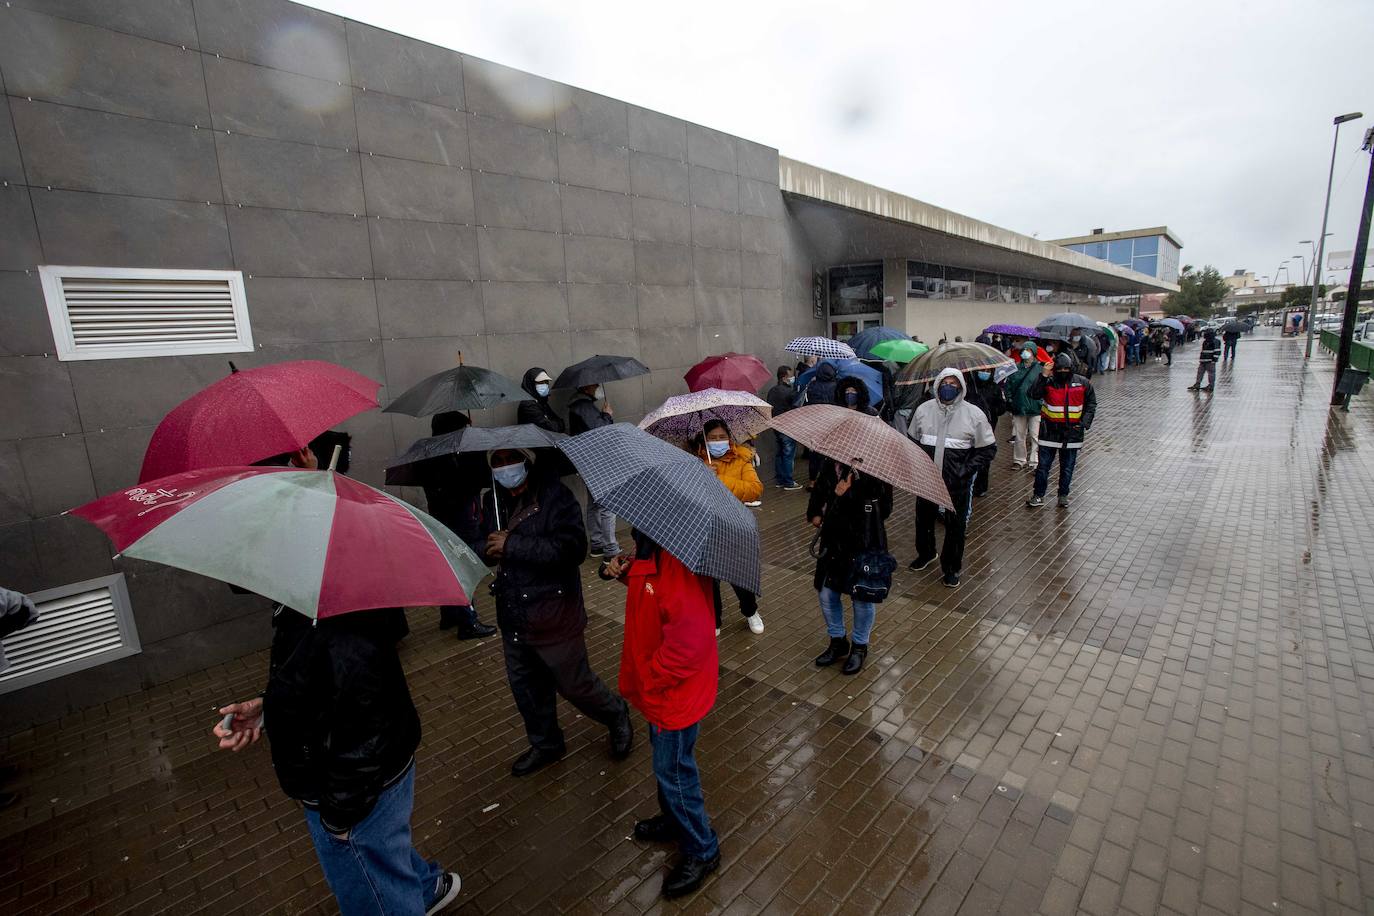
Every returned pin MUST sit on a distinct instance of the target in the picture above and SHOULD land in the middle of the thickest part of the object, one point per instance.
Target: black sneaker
(1035, 502)
(449, 886)
(688, 875)
(951, 580)
(792, 487)
(534, 759)
(1063, 502)
(657, 829)
(478, 630)
(622, 736)
(921, 563)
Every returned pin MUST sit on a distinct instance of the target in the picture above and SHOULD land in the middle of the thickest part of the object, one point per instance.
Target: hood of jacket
(958, 378)
(527, 383)
(826, 372)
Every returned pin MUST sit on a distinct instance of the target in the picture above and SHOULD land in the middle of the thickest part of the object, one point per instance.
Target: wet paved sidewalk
(1160, 700)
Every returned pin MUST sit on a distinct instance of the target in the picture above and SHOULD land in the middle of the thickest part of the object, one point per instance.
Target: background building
(340, 192)
(1153, 252)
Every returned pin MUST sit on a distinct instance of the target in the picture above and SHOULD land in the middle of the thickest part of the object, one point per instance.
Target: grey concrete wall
(390, 202)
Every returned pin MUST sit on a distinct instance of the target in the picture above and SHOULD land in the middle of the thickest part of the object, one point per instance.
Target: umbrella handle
(495, 502)
(334, 458)
(460, 357)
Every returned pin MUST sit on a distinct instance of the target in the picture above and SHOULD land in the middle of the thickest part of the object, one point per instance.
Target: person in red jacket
(668, 671)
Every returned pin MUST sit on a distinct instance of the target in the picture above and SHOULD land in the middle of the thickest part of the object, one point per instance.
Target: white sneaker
(754, 503)
(755, 623)
(717, 631)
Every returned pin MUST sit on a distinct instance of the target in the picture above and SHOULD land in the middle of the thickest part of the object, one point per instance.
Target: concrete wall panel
(288, 176)
(57, 470)
(718, 305)
(587, 211)
(403, 189)
(501, 92)
(760, 271)
(661, 264)
(530, 306)
(409, 250)
(517, 254)
(391, 63)
(759, 198)
(710, 148)
(666, 306)
(94, 151)
(430, 308)
(592, 164)
(406, 129)
(715, 267)
(599, 260)
(715, 228)
(117, 455)
(85, 228)
(413, 359)
(718, 190)
(512, 149)
(596, 306)
(654, 176)
(285, 243)
(670, 348)
(24, 326)
(508, 202)
(659, 134)
(16, 506)
(266, 102)
(580, 113)
(11, 165)
(297, 309)
(37, 394)
(662, 221)
(760, 235)
(754, 160)
(19, 248)
(512, 354)
(171, 21)
(287, 36)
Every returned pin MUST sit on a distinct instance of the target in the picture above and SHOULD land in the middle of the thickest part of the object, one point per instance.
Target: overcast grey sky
(1049, 117)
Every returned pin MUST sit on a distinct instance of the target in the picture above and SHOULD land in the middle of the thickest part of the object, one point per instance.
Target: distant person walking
(782, 397)
(1229, 338)
(1207, 362)
(584, 413)
(1068, 406)
(1025, 410)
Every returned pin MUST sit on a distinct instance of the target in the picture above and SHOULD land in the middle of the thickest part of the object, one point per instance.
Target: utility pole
(1352, 290)
(1321, 239)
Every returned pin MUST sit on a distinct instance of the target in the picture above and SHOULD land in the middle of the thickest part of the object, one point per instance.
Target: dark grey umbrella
(459, 388)
(672, 497)
(1063, 324)
(598, 369)
(473, 443)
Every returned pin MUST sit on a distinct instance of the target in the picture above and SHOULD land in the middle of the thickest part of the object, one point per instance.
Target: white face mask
(717, 449)
(542, 389)
(599, 394)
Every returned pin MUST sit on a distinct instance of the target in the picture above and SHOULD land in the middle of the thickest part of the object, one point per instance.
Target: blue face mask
(511, 476)
(983, 376)
(851, 398)
(948, 392)
(542, 389)
(717, 449)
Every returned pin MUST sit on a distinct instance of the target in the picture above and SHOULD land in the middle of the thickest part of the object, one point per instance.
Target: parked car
(1365, 330)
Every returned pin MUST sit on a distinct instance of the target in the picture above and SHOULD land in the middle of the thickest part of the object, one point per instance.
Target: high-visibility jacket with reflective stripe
(1066, 411)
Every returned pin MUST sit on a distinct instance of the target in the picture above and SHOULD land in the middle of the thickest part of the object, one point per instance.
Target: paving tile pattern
(1159, 701)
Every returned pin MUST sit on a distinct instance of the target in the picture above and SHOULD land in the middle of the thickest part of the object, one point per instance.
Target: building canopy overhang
(849, 221)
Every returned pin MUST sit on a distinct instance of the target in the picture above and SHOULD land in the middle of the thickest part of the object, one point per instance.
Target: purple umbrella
(681, 418)
(1015, 330)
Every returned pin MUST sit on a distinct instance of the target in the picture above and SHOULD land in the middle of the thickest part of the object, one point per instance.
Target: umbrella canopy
(1136, 322)
(863, 342)
(899, 351)
(1170, 323)
(1014, 330)
(671, 496)
(459, 388)
(729, 372)
(1065, 323)
(963, 355)
(823, 347)
(868, 445)
(255, 414)
(681, 418)
(408, 470)
(598, 369)
(1234, 324)
(315, 541)
(849, 368)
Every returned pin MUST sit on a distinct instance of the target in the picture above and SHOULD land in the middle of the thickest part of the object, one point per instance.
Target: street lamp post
(1356, 282)
(1321, 237)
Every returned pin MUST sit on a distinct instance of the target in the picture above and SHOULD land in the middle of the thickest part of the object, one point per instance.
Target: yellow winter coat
(736, 470)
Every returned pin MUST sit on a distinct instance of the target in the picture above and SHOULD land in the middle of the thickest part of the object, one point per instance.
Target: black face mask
(1063, 375)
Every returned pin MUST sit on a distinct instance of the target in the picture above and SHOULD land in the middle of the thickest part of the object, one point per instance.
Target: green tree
(1199, 292)
(1299, 297)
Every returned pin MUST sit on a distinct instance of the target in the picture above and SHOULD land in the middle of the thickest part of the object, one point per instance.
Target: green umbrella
(899, 351)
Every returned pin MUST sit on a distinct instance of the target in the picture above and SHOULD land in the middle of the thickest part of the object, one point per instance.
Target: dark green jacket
(1018, 390)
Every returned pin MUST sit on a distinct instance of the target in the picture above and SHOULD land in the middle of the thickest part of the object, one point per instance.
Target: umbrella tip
(232, 368)
(334, 458)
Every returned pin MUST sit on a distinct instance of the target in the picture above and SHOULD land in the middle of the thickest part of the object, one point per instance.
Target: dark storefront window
(856, 289)
(985, 287)
(958, 283)
(924, 281)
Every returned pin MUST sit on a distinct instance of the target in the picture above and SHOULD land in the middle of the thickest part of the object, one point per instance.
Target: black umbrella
(459, 388)
(672, 497)
(598, 369)
(471, 444)
(1063, 324)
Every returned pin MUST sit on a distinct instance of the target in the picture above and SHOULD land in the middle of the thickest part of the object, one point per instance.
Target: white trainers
(754, 503)
(755, 623)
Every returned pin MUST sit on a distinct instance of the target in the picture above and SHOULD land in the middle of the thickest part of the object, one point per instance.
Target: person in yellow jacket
(734, 465)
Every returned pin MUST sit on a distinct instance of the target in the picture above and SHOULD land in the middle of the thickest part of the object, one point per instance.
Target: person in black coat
(586, 413)
(988, 397)
(453, 496)
(536, 540)
(537, 409)
(344, 736)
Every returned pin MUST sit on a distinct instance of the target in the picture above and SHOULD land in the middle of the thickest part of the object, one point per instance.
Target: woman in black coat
(452, 495)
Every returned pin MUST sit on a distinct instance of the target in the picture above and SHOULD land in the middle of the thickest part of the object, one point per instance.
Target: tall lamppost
(1321, 237)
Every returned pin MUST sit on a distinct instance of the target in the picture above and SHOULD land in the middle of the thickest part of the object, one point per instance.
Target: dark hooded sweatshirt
(538, 410)
(821, 388)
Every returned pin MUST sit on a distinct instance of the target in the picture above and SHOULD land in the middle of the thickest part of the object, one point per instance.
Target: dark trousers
(1168, 356)
(956, 527)
(1068, 459)
(782, 461)
(814, 462)
(461, 616)
(540, 674)
(982, 481)
(748, 601)
(1228, 349)
(679, 789)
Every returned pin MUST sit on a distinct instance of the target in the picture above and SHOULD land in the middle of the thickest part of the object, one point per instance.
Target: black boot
(622, 735)
(657, 829)
(839, 648)
(688, 874)
(475, 630)
(534, 759)
(855, 662)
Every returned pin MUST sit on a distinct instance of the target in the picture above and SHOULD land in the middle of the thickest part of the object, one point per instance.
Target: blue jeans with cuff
(782, 461)
(377, 870)
(679, 789)
(832, 608)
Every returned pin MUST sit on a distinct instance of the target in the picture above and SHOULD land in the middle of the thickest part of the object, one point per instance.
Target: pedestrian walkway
(1160, 700)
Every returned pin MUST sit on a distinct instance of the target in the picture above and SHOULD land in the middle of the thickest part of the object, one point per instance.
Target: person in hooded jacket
(959, 439)
(454, 498)
(537, 409)
(586, 413)
(818, 389)
(850, 509)
(987, 396)
(1068, 405)
(733, 465)
(535, 538)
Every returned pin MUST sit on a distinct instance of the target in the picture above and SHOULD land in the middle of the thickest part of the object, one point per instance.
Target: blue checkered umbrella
(672, 497)
(823, 347)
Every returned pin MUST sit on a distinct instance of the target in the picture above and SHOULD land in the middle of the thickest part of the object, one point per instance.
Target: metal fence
(1361, 353)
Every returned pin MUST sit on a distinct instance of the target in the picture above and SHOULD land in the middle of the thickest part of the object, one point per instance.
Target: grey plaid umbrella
(459, 388)
(672, 497)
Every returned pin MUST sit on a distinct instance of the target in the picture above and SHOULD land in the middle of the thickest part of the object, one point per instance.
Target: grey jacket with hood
(957, 436)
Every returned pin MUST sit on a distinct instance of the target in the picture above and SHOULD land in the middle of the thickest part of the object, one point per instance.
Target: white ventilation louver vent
(117, 312)
(79, 626)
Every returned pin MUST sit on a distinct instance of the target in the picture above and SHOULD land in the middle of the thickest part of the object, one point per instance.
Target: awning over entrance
(849, 221)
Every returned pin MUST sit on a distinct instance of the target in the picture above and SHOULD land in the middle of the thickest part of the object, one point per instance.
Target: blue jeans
(832, 608)
(679, 789)
(601, 528)
(782, 461)
(377, 870)
(1068, 458)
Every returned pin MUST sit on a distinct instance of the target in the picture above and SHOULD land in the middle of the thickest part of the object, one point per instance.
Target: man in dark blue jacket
(1207, 362)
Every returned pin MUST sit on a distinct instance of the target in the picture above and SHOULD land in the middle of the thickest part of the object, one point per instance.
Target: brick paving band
(1158, 700)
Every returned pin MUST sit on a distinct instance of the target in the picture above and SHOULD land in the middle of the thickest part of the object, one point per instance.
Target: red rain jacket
(669, 666)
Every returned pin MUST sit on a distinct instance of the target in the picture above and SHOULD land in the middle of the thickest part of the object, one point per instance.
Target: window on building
(1147, 265)
(856, 289)
(1148, 244)
(985, 287)
(1119, 252)
(120, 312)
(958, 283)
(79, 626)
(925, 281)
(1096, 250)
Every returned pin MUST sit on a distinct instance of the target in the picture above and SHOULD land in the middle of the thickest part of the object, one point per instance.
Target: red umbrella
(728, 372)
(255, 414)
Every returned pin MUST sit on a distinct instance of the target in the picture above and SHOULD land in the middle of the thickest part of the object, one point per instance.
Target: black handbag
(871, 574)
